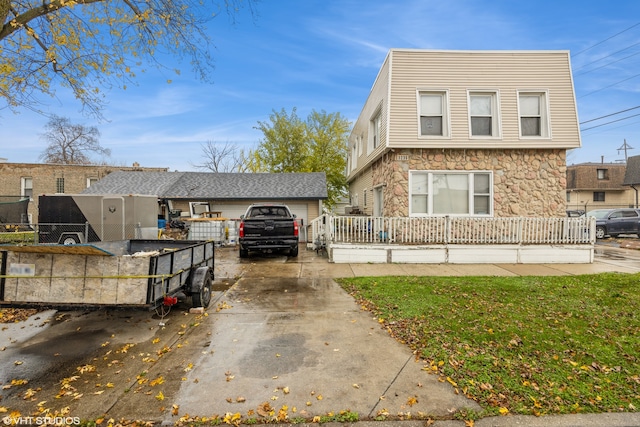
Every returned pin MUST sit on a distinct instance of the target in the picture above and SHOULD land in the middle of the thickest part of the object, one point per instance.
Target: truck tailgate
(267, 228)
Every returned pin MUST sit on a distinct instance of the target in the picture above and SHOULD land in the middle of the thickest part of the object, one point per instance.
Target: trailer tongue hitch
(169, 301)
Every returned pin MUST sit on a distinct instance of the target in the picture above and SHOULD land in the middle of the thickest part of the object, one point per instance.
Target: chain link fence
(72, 233)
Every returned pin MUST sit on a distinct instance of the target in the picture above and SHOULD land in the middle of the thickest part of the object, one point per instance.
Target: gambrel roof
(209, 185)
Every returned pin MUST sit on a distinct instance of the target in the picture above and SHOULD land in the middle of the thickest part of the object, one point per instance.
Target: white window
(433, 114)
(26, 183)
(59, 185)
(484, 114)
(354, 156)
(91, 181)
(534, 117)
(450, 193)
(602, 174)
(374, 131)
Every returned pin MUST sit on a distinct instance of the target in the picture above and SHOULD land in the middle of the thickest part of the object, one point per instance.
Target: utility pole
(625, 147)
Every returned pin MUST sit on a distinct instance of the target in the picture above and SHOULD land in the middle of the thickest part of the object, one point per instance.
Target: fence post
(447, 229)
(86, 232)
(520, 231)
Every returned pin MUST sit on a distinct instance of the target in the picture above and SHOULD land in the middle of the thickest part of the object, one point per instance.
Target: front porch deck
(456, 240)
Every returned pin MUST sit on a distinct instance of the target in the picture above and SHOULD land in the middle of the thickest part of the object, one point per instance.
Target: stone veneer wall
(529, 183)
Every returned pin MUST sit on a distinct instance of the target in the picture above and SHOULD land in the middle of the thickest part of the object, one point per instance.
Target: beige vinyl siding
(361, 184)
(377, 101)
(504, 72)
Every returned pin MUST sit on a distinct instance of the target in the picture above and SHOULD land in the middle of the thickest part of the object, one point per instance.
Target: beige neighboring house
(467, 133)
(34, 179)
(598, 186)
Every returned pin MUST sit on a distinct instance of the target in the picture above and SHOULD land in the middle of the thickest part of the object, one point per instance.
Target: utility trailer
(127, 273)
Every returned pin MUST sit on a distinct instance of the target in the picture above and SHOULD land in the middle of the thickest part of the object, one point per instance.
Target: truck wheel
(244, 253)
(293, 251)
(202, 295)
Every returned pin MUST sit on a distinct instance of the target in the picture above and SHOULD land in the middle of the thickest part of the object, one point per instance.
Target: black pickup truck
(267, 227)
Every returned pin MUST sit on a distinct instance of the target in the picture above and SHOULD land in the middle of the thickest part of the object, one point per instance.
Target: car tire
(293, 251)
(600, 232)
(244, 253)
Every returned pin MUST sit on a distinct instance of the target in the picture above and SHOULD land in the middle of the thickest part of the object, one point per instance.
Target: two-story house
(467, 133)
(598, 186)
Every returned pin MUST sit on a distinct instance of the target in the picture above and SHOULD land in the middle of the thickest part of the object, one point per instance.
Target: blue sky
(325, 55)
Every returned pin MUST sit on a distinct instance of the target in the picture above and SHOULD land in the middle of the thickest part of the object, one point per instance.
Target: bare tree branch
(220, 157)
(70, 144)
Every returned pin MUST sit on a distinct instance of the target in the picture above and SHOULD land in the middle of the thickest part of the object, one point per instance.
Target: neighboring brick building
(597, 186)
(33, 179)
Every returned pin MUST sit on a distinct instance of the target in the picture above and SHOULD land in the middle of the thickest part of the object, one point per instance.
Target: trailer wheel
(69, 240)
(201, 288)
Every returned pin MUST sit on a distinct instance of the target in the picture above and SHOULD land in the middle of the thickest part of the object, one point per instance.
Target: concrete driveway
(303, 344)
(281, 339)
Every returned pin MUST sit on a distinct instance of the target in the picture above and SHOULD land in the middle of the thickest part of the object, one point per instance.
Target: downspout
(636, 190)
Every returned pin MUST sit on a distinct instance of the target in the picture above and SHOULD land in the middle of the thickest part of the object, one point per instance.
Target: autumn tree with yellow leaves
(88, 46)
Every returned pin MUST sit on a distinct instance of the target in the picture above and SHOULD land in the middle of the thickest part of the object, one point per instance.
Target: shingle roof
(632, 175)
(208, 185)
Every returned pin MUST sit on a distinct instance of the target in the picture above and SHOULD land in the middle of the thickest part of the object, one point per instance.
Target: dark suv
(613, 222)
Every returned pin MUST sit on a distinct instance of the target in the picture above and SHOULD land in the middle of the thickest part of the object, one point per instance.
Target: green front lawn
(524, 345)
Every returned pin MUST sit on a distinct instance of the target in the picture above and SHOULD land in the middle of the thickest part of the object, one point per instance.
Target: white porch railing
(327, 229)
